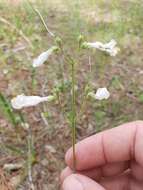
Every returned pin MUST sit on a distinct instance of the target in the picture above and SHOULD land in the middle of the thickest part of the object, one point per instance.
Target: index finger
(119, 144)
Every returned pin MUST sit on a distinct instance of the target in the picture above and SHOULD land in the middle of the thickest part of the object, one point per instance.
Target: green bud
(58, 41)
(55, 49)
(91, 94)
(51, 98)
(80, 40)
(84, 45)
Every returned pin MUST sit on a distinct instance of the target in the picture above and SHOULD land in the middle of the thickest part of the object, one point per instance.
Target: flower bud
(58, 41)
(80, 40)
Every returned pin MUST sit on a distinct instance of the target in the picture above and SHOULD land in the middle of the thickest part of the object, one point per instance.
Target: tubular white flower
(109, 47)
(39, 61)
(22, 101)
(101, 93)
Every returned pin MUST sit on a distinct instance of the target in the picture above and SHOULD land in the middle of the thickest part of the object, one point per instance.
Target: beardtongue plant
(109, 47)
(22, 101)
(39, 61)
(18, 103)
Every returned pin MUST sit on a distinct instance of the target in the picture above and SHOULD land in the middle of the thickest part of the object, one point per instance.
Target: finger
(65, 173)
(96, 173)
(121, 182)
(113, 169)
(136, 171)
(115, 145)
(116, 183)
(80, 182)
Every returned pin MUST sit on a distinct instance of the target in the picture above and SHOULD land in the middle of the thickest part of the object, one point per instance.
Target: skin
(110, 160)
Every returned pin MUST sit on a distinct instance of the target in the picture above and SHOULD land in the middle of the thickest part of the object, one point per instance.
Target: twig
(30, 159)
(42, 20)
(45, 120)
(73, 115)
(83, 102)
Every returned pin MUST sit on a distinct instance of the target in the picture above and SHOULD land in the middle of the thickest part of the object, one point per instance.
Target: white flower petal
(110, 44)
(43, 57)
(113, 52)
(95, 44)
(109, 47)
(26, 101)
(102, 93)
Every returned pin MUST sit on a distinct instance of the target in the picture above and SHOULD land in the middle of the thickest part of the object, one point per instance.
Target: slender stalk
(30, 158)
(30, 152)
(33, 78)
(62, 66)
(83, 102)
(73, 122)
(42, 20)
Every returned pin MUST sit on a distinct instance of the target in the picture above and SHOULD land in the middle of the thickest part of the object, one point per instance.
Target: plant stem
(42, 20)
(30, 158)
(73, 122)
(87, 85)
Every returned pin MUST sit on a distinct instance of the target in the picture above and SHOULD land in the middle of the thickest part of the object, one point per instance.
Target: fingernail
(72, 183)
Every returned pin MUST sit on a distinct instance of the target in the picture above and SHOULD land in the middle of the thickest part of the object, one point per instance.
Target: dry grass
(4, 182)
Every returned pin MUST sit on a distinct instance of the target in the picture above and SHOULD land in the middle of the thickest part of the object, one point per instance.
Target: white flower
(101, 93)
(43, 57)
(109, 47)
(21, 101)
(5, 71)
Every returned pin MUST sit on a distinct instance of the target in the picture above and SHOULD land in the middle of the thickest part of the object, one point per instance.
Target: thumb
(80, 182)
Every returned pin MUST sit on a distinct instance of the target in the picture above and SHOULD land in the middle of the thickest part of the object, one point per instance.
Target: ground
(22, 38)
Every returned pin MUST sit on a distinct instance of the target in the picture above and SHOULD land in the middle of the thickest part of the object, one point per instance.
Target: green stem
(61, 67)
(73, 116)
(42, 20)
(31, 157)
(83, 104)
(87, 85)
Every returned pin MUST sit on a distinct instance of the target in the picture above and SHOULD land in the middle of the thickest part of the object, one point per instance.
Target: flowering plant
(22, 101)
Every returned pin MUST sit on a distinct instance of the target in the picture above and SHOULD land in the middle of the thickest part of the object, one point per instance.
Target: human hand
(111, 160)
